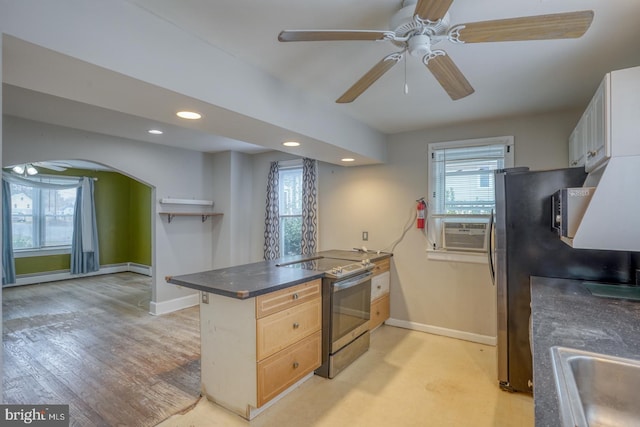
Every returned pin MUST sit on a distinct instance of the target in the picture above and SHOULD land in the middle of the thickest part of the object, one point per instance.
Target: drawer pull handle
(296, 325)
(295, 296)
(295, 365)
(379, 286)
(378, 313)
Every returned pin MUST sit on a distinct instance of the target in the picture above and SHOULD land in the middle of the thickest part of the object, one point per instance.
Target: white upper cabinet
(609, 126)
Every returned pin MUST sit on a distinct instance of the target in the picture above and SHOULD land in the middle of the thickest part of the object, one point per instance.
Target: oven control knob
(336, 271)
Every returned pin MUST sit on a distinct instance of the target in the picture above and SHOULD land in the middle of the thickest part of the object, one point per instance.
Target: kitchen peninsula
(262, 326)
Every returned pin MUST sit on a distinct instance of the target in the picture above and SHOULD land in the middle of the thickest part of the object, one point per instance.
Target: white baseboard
(54, 276)
(437, 330)
(165, 307)
(139, 268)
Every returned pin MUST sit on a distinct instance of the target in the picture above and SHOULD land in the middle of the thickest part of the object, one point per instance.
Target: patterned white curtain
(272, 216)
(309, 207)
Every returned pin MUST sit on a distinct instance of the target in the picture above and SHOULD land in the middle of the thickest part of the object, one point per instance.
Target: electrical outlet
(365, 235)
(205, 298)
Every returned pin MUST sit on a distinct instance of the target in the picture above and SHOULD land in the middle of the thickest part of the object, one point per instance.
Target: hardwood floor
(91, 343)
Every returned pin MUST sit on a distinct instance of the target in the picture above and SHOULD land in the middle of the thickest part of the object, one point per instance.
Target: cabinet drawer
(379, 285)
(381, 266)
(283, 369)
(279, 330)
(379, 311)
(286, 298)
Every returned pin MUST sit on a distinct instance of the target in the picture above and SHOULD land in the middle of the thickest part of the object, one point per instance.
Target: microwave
(569, 206)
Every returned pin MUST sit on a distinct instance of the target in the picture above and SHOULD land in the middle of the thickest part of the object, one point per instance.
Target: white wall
(184, 245)
(443, 297)
(233, 194)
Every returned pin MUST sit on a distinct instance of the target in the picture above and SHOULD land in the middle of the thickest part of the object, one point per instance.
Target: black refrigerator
(525, 245)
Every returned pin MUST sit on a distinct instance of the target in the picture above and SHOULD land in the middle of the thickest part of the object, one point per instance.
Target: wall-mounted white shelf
(172, 201)
(203, 215)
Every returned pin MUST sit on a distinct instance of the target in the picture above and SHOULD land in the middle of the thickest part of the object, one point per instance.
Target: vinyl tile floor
(407, 378)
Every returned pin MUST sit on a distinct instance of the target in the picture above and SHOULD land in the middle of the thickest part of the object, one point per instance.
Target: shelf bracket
(170, 217)
(204, 217)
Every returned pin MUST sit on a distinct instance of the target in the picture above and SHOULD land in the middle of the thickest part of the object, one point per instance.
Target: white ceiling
(510, 78)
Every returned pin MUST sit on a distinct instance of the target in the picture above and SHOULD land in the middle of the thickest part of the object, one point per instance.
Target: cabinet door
(598, 142)
(380, 285)
(286, 298)
(282, 329)
(283, 369)
(379, 311)
(577, 149)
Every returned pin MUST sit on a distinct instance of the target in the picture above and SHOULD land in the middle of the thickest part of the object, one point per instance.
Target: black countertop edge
(246, 293)
(564, 313)
(258, 278)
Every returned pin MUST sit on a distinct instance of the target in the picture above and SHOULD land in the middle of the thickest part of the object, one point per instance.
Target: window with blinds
(461, 181)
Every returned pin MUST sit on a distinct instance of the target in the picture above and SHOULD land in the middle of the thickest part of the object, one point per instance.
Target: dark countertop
(564, 313)
(250, 280)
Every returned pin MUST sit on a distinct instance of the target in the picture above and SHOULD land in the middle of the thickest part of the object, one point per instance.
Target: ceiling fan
(29, 169)
(415, 29)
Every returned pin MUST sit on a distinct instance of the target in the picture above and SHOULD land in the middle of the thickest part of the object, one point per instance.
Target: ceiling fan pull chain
(406, 86)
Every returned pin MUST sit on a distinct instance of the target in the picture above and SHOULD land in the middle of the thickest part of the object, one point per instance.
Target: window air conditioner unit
(460, 235)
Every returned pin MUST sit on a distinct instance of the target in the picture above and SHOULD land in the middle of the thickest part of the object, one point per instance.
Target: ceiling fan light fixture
(31, 170)
(419, 45)
(19, 169)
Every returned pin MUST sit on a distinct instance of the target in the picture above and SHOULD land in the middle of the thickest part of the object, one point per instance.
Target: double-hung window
(290, 199)
(41, 215)
(462, 189)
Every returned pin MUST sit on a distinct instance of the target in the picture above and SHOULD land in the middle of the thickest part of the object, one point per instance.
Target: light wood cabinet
(287, 298)
(380, 301)
(257, 348)
(283, 369)
(379, 311)
(281, 329)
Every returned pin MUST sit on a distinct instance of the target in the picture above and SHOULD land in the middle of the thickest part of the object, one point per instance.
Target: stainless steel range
(346, 294)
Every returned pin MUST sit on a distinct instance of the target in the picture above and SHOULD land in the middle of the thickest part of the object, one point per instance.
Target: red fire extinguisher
(422, 207)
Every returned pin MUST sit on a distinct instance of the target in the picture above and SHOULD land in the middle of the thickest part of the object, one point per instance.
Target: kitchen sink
(596, 389)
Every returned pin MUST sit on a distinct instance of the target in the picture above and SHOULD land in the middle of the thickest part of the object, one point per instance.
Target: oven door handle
(350, 283)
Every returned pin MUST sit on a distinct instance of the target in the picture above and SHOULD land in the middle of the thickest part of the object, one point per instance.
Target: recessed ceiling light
(348, 159)
(291, 144)
(155, 131)
(191, 115)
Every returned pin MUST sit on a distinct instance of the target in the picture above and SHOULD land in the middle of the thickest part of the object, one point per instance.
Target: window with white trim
(462, 185)
(290, 199)
(42, 218)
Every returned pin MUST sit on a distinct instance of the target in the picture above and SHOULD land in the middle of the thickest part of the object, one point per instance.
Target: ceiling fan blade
(333, 35)
(51, 166)
(432, 10)
(448, 75)
(370, 78)
(543, 27)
